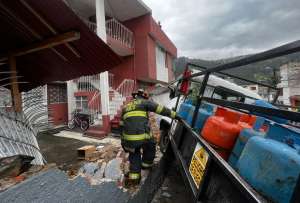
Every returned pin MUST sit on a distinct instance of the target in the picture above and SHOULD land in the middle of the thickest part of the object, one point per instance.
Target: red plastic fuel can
(222, 130)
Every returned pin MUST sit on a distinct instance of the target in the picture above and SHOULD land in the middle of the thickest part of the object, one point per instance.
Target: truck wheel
(164, 140)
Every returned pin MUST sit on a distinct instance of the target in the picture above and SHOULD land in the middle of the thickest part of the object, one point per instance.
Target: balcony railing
(117, 31)
(91, 83)
(91, 25)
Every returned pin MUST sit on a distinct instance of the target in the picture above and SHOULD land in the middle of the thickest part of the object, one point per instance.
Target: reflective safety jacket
(135, 118)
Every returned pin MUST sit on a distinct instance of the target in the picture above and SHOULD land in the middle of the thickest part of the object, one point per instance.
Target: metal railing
(94, 106)
(91, 83)
(117, 31)
(91, 25)
(126, 87)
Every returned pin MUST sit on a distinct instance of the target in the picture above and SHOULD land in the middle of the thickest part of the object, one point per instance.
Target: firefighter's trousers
(140, 155)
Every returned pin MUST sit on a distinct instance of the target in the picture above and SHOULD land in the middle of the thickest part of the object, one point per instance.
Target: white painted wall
(71, 89)
(104, 90)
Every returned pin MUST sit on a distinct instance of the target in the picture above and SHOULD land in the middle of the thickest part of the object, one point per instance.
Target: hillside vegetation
(256, 71)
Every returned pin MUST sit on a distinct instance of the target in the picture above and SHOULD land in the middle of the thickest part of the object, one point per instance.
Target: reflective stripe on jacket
(135, 118)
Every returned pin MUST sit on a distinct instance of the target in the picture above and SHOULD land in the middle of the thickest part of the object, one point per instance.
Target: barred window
(57, 93)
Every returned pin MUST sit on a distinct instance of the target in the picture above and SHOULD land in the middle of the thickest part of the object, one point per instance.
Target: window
(281, 92)
(82, 103)
(253, 88)
(57, 93)
(161, 69)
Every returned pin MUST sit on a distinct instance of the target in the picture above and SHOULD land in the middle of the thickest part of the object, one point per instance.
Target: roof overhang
(126, 9)
(122, 10)
(30, 23)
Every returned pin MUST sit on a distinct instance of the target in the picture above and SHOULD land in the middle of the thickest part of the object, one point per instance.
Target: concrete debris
(14, 165)
(89, 169)
(113, 169)
(98, 148)
(100, 172)
(165, 194)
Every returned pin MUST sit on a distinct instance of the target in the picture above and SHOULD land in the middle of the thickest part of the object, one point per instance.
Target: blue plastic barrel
(243, 138)
(270, 167)
(266, 104)
(284, 133)
(206, 110)
(190, 116)
(184, 110)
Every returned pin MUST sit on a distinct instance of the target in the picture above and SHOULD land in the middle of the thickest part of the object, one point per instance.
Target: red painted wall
(148, 34)
(142, 64)
(123, 71)
(151, 58)
(159, 35)
(59, 113)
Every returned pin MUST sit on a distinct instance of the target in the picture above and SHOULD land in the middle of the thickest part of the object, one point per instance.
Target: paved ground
(173, 189)
(54, 186)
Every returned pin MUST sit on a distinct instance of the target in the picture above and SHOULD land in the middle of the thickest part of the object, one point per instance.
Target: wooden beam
(33, 32)
(45, 44)
(15, 92)
(42, 20)
(49, 43)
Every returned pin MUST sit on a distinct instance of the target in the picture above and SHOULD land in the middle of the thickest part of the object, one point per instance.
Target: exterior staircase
(118, 98)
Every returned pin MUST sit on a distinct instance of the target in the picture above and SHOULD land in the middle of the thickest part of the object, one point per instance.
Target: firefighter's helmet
(141, 93)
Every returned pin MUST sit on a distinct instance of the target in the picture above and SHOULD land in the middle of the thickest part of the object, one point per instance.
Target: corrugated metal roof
(20, 28)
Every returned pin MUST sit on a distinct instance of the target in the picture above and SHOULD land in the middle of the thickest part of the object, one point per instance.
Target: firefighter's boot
(132, 179)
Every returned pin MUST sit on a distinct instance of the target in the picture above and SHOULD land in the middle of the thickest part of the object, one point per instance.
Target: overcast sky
(212, 29)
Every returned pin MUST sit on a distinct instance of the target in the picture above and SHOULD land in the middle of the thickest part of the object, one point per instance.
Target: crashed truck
(231, 145)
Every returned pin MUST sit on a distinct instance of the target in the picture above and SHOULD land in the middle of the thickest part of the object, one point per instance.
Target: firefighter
(136, 135)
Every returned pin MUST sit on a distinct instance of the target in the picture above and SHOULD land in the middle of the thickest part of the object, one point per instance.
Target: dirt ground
(59, 150)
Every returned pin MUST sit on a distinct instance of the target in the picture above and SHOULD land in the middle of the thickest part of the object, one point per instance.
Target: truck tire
(164, 141)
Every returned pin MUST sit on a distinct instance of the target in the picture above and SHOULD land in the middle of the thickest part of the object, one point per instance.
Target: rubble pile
(11, 180)
(111, 166)
(154, 127)
(96, 163)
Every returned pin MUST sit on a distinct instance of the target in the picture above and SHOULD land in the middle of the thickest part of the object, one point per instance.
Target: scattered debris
(14, 165)
(154, 127)
(113, 169)
(85, 151)
(8, 182)
(89, 169)
(165, 194)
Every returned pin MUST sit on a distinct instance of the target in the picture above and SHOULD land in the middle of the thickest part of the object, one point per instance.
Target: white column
(71, 89)
(100, 18)
(104, 90)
